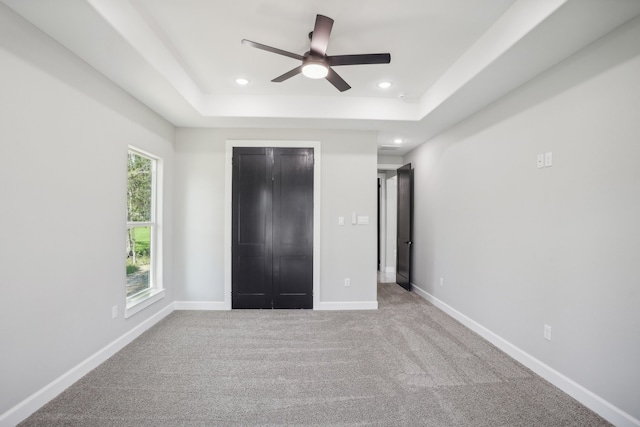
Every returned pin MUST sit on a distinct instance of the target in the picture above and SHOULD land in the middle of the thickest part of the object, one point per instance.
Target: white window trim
(142, 300)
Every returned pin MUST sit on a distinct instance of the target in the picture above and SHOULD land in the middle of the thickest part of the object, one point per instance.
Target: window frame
(155, 292)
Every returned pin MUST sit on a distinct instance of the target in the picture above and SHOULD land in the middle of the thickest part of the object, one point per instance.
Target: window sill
(140, 302)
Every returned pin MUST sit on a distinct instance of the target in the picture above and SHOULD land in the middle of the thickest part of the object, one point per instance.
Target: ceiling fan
(316, 64)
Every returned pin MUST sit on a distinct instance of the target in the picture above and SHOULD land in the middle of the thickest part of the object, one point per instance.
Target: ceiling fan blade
(272, 49)
(288, 75)
(367, 58)
(320, 36)
(337, 81)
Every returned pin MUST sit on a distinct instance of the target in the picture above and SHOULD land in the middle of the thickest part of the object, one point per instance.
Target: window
(142, 240)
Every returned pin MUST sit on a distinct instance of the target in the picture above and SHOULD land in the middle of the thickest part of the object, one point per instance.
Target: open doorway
(387, 225)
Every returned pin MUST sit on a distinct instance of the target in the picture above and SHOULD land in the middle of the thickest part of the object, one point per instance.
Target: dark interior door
(272, 246)
(252, 229)
(293, 228)
(405, 221)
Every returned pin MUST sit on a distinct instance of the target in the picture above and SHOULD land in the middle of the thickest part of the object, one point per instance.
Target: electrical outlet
(347, 282)
(548, 159)
(540, 161)
(442, 282)
(547, 332)
(114, 312)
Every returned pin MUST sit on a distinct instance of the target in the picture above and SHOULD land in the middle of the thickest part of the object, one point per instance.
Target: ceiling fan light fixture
(242, 81)
(315, 70)
(316, 64)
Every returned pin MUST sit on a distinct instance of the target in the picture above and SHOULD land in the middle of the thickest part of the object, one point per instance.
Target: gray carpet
(406, 364)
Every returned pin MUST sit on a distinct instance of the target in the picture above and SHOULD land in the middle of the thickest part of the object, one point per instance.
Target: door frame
(230, 144)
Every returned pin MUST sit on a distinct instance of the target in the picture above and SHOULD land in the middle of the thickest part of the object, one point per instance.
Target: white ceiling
(449, 57)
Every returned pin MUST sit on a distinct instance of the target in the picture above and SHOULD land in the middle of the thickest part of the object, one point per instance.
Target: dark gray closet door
(272, 247)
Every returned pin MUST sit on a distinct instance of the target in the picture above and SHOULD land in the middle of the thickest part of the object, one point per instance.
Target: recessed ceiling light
(398, 140)
(242, 81)
(384, 85)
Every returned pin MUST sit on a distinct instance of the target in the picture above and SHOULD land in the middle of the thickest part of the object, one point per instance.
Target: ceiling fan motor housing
(315, 66)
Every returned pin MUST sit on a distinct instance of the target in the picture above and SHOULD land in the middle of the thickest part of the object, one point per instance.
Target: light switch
(340, 220)
(363, 220)
(353, 218)
(548, 159)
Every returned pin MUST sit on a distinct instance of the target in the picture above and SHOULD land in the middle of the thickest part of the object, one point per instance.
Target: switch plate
(442, 282)
(353, 218)
(547, 332)
(114, 312)
(347, 282)
(340, 220)
(363, 220)
(540, 161)
(548, 159)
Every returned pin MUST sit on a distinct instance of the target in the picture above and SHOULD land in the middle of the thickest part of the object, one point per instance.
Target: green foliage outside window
(139, 186)
(139, 210)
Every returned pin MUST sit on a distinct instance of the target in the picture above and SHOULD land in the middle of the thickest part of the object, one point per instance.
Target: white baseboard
(347, 305)
(390, 270)
(34, 402)
(201, 305)
(221, 305)
(606, 410)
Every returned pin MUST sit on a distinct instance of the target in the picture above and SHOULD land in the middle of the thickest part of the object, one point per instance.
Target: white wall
(519, 247)
(382, 238)
(348, 184)
(389, 162)
(64, 131)
(392, 223)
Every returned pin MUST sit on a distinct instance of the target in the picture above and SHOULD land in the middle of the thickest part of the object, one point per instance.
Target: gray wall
(519, 247)
(348, 184)
(64, 131)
